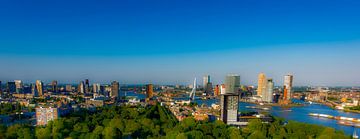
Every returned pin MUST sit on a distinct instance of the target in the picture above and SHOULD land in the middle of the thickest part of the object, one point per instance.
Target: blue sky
(170, 42)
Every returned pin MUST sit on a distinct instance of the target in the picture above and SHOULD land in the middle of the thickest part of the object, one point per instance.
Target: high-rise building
(87, 86)
(229, 103)
(11, 87)
(19, 86)
(149, 91)
(206, 80)
(34, 90)
(267, 96)
(261, 84)
(114, 89)
(288, 84)
(81, 87)
(54, 87)
(207, 85)
(68, 88)
(96, 88)
(232, 83)
(40, 87)
(217, 90)
(44, 115)
(222, 89)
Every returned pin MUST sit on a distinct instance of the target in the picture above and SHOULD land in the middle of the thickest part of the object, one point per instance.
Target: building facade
(288, 84)
(261, 84)
(40, 87)
(44, 115)
(114, 89)
(229, 104)
(232, 83)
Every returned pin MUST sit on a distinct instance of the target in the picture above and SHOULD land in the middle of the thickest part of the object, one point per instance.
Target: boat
(355, 136)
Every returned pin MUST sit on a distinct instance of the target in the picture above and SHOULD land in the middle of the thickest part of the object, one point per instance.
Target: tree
(109, 133)
(234, 133)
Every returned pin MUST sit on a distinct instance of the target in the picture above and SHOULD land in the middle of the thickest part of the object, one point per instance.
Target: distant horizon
(172, 42)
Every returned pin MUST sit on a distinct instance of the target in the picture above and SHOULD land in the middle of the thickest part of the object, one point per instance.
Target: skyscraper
(54, 87)
(87, 86)
(269, 90)
(288, 83)
(34, 91)
(149, 91)
(81, 87)
(114, 89)
(19, 86)
(229, 103)
(232, 83)
(206, 80)
(96, 88)
(39, 87)
(217, 90)
(261, 84)
(207, 84)
(11, 87)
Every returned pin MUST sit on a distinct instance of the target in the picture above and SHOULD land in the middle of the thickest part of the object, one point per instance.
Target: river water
(299, 114)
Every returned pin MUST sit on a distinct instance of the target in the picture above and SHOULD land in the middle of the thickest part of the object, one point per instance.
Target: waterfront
(299, 114)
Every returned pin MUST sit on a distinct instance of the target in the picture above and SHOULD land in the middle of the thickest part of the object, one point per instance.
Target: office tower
(81, 87)
(267, 96)
(261, 84)
(45, 115)
(229, 103)
(11, 87)
(207, 84)
(149, 91)
(40, 87)
(232, 83)
(19, 86)
(217, 90)
(87, 86)
(68, 88)
(96, 88)
(206, 80)
(54, 87)
(288, 83)
(222, 89)
(114, 89)
(34, 91)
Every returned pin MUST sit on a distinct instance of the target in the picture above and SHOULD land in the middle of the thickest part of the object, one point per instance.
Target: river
(299, 114)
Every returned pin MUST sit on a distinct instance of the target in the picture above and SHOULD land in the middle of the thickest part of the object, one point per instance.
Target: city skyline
(171, 42)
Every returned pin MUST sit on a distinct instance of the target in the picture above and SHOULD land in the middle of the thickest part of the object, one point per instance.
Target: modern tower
(207, 85)
(114, 89)
(87, 86)
(34, 91)
(81, 87)
(288, 83)
(11, 87)
(54, 87)
(229, 103)
(149, 91)
(261, 84)
(232, 83)
(269, 91)
(206, 80)
(19, 86)
(40, 87)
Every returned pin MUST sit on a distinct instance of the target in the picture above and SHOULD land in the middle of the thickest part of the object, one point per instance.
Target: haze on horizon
(171, 42)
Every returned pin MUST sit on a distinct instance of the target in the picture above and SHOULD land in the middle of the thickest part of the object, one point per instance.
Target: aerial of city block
(171, 69)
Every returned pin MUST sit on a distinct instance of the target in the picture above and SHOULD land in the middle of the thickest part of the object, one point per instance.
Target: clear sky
(173, 41)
